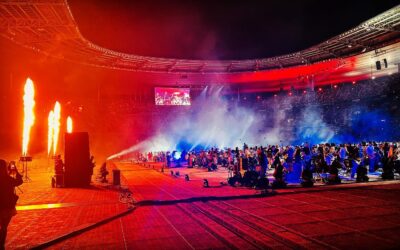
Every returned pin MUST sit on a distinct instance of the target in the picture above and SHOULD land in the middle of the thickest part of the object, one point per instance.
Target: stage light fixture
(205, 183)
(177, 155)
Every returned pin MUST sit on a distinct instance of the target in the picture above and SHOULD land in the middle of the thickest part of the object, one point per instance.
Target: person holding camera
(8, 198)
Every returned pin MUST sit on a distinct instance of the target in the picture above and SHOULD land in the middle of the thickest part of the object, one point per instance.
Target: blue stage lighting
(177, 155)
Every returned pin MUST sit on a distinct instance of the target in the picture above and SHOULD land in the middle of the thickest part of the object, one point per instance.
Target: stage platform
(171, 213)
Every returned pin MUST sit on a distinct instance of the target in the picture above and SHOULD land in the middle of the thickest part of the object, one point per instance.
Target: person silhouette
(8, 199)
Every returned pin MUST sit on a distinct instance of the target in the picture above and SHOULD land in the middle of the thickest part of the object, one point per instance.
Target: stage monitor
(172, 96)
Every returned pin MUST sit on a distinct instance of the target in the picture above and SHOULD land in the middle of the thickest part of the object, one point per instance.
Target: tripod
(25, 160)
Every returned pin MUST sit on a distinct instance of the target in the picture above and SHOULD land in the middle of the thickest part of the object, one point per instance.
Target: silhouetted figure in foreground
(8, 199)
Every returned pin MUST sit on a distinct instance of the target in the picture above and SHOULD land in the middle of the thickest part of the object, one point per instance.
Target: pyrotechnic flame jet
(29, 115)
(56, 126)
(50, 132)
(69, 125)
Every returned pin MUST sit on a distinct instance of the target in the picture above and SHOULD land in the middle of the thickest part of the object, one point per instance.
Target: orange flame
(56, 126)
(29, 115)
(50, 132)
(69, 125)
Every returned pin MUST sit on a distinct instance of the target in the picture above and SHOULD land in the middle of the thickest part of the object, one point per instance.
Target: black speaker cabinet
(78, 171)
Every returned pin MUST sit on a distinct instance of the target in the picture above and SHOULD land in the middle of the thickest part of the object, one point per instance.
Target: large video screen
(172, 96)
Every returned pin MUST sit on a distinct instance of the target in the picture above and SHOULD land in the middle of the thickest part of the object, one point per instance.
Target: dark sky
(219, 29)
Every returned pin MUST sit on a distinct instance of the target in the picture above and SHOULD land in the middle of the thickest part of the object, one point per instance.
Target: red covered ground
(171, 213)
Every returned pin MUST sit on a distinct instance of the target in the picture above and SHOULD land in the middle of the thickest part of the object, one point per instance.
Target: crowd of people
(294, 164)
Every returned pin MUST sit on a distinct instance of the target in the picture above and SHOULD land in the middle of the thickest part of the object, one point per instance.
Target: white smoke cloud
(311, 125)
(212, 121)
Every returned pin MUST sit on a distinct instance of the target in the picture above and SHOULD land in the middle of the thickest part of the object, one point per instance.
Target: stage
(171, 213)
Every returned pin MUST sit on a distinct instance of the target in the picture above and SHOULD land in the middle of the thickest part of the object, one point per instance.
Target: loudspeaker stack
(78, 170)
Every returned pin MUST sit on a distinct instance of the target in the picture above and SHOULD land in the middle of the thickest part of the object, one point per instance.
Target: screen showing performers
(172, 96)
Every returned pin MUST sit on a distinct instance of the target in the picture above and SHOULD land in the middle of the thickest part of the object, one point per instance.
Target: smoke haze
(214, 121)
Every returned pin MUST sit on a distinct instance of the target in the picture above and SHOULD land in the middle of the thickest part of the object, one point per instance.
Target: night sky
(223, 29)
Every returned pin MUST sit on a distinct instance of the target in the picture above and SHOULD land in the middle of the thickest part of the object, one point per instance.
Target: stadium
(225, 125)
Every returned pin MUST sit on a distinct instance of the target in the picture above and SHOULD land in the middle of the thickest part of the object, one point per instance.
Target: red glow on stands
(320, 89)
(273, 80)
(354, 82)
(335, 86)
(336, 68)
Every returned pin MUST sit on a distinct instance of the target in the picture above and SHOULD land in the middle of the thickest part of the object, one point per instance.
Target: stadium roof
(48, 26)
